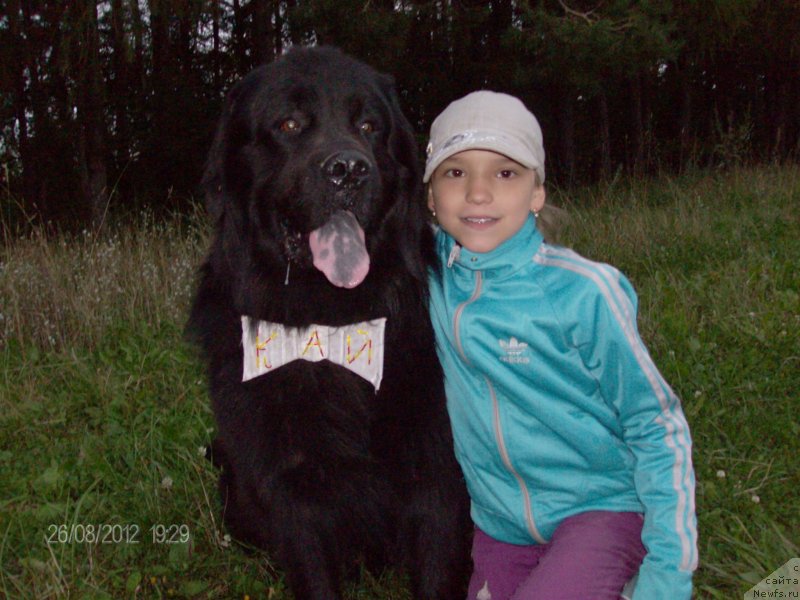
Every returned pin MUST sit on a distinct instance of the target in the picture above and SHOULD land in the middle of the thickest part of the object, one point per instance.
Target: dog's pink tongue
(339, 250)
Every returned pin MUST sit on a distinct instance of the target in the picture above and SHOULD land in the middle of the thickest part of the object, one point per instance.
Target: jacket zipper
(498, 431)
(501, 444)
(460, 310)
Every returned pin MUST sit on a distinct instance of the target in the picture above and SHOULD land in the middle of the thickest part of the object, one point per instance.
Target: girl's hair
(550, 220)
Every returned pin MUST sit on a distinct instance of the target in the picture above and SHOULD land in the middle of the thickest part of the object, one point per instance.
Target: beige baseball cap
(486, 120)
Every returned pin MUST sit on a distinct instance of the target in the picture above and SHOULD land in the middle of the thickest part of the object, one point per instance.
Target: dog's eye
(367, 127)
(290, 126)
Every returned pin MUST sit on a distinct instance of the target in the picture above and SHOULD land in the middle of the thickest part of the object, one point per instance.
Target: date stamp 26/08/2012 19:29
(116, 533)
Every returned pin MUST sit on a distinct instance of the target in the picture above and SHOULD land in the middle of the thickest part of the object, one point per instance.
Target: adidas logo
(514, 350)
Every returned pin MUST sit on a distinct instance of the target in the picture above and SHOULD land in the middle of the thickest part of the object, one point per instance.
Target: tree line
(109, 105)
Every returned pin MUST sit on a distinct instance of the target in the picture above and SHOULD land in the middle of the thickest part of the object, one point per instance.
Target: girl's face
(483, 198)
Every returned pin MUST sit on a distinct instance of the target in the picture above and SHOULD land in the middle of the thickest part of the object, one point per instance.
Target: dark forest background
(109, 106)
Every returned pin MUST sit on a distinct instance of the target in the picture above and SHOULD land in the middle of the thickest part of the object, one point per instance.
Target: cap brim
(483, 141)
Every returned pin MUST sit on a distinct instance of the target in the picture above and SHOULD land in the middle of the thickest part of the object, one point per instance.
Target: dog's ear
(212, 176)
(213, 181)
(401, 142)
(409, 210)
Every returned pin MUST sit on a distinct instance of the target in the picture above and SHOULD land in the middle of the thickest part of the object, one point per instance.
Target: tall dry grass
(68, 290)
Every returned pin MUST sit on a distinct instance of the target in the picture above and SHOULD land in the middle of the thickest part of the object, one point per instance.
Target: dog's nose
(346, 169)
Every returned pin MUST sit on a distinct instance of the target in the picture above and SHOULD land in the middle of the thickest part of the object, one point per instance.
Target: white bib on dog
(358, 347)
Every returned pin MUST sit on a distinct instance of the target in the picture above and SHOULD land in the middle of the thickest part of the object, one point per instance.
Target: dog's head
(314, 164)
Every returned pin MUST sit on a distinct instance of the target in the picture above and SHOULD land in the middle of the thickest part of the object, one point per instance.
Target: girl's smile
(480, 223)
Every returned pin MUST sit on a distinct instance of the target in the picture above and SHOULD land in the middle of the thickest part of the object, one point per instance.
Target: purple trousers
(590, 555)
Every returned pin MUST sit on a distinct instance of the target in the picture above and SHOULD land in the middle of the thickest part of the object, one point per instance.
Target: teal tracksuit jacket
(556, 405)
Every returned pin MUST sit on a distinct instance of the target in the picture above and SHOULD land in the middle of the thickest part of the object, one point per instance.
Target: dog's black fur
(317, 467)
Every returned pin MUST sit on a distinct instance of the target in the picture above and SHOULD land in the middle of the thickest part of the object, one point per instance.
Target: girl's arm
(656, 431)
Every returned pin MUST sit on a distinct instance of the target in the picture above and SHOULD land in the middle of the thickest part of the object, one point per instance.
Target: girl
(576, 452)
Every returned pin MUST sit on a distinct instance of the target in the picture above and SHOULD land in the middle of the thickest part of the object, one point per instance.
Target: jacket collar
(507, 258)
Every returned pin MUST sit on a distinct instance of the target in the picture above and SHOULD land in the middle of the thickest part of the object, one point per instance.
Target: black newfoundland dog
(333, 439)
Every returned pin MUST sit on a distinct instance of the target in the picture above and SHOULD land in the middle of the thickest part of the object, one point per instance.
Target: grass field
(104, 492)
